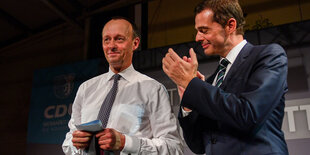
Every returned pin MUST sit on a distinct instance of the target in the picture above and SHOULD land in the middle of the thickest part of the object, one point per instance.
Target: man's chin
(208, 52)
(115, 63)
(113, 60)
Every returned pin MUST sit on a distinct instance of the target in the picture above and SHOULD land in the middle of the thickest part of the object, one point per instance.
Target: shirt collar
(126, 74)
(232, 55)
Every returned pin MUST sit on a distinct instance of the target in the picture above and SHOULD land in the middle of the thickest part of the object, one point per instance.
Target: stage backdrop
(54, 90)
(53, 93)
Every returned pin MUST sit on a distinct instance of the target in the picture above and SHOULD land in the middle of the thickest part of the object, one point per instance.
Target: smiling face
(211, 34)
(118, 44)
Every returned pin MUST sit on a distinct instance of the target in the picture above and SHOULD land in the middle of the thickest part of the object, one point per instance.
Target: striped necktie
(220, 74)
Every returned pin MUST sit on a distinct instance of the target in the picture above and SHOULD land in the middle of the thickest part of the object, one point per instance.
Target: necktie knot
(116, 77)
(223, 63)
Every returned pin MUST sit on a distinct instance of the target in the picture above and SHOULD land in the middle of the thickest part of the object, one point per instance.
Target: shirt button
(213, 140)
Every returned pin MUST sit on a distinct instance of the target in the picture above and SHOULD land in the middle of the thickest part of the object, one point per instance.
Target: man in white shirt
(141, 120)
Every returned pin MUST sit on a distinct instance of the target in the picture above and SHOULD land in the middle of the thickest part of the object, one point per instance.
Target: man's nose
(112, 44)
(198, 37)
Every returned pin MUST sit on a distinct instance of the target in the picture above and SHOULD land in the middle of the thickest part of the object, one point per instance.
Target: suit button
(213, 140)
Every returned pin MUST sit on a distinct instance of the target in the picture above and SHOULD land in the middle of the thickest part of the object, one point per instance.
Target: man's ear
(231, 25)
(136, 43)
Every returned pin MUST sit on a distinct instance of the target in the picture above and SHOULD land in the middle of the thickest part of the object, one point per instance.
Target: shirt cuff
(185, 113)
(132, 145)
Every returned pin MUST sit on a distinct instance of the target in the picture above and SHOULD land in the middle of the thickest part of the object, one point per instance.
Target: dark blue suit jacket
(244, 116)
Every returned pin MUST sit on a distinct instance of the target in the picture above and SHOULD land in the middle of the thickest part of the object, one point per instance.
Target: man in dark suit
(239, 109)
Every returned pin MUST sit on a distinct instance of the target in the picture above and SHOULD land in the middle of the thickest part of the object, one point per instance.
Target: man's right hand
(81, 139)
(180, 71)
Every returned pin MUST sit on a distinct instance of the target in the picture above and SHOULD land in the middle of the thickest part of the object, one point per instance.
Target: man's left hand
(180, 71)
(110, 139)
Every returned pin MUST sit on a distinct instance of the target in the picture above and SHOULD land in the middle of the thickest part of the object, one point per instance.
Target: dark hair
(223, 10)
(135, 32)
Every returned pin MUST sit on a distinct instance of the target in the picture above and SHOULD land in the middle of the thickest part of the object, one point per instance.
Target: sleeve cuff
(132, 145)
(185, 113)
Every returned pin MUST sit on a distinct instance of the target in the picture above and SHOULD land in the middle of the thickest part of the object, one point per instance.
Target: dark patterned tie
(220, 75)
(106, 107)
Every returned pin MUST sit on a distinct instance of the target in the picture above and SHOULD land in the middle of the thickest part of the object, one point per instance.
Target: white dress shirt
(141, 111)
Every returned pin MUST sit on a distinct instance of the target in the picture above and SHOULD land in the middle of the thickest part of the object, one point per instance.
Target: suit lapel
(211, 78)
(244, 53)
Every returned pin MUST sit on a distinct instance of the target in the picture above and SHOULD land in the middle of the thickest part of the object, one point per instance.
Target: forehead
(117, 27)
(204, 18)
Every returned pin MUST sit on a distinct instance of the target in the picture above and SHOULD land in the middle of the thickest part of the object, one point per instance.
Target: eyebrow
(202, 27)
(118, 35)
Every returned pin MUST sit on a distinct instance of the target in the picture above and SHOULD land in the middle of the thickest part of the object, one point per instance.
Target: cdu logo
(63, 85)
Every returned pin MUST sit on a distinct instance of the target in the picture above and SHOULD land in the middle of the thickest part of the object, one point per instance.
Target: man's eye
(204, 31)
(120, 39)
(106, 39)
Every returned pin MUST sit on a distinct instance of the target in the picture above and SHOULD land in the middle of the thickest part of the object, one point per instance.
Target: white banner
(296, 123)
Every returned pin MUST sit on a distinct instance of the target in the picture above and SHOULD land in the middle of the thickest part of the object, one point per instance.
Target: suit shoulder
(268, 50)
(271, 54)
(274, 47)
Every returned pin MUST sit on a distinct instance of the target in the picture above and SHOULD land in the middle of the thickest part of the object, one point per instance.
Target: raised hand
(180, 71)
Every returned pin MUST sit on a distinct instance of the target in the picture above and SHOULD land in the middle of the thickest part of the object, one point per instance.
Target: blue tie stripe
(222, 69)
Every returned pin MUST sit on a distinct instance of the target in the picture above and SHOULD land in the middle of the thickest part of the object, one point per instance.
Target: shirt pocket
(129, 118)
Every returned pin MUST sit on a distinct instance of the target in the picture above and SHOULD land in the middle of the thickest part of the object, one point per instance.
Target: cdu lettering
(57, 111)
